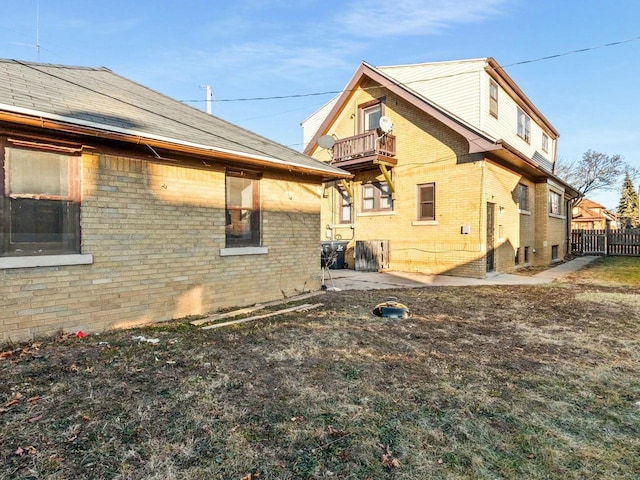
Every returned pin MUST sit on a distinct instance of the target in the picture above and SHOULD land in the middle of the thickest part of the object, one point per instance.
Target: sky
(245, 49)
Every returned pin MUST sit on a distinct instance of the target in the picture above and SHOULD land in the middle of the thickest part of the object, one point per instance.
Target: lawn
(535, 382)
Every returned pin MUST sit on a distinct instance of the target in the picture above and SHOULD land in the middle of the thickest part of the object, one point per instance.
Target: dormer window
(524, 126)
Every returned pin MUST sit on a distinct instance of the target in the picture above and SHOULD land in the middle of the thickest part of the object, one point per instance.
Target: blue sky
(262, 48)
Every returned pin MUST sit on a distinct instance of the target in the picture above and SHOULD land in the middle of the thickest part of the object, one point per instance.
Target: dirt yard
(535, 382)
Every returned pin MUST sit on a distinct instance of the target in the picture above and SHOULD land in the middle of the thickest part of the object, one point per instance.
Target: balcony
(365, 151)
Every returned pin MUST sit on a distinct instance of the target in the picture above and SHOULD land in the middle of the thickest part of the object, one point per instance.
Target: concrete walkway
(352, 280)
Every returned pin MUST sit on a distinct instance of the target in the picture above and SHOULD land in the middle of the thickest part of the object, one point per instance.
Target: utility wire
(335, 92)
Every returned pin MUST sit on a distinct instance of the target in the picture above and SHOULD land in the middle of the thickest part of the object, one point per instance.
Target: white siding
(312, 123)
(505, 127)
(454, 86)
(462, 89)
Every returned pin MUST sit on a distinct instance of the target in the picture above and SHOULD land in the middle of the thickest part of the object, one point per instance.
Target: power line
(335, 92)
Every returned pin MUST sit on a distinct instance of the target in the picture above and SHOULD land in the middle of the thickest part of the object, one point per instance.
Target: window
(522, 193)
(376, 197)
(545, 142)
(524, 126)
(554, 252)
(39, 201)
(370, 114)
(243, 209)
(555, 203)
(517, 259)
(345, 206)
(427, 201)
(526, 254)
(493, 99)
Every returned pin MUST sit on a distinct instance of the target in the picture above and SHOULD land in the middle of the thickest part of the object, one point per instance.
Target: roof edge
(133, 136)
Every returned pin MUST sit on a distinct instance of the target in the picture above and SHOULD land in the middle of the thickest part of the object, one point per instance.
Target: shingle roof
(99, 98)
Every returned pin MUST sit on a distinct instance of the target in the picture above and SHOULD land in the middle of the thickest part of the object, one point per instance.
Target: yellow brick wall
(155, 233)
(426, 152)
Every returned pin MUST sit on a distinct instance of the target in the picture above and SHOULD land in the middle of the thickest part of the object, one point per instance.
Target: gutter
(573, 193)
(25, 116)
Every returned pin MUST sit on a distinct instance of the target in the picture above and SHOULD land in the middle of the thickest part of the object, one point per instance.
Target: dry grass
(482, 382)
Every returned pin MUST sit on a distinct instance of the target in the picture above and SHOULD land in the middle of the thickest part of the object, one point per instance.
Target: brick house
(452, 169)
(590, 215)
(120, 206)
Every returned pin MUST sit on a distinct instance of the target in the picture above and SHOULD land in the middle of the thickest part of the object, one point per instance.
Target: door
(491, 218)
(372, 255)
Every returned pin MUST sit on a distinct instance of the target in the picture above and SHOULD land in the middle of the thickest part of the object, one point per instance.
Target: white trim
(556, 186)
(150, 136)
(524, 212)
(418, 223)
(555, 215)
(380, 213)
(230, 252)
(46, 261)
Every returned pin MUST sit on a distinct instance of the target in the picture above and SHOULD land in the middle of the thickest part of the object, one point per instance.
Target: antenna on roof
(38, 29)
(37, 45)
(209, 97)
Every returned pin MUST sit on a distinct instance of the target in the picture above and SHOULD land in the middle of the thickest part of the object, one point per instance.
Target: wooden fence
(605, 242)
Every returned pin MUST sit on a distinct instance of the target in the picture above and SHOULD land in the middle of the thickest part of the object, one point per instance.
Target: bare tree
(594, 171)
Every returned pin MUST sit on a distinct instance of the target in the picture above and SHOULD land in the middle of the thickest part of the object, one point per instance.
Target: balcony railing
(364, 145)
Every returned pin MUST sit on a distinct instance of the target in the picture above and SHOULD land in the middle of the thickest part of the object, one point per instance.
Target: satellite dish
(326, 141)
(386, 125)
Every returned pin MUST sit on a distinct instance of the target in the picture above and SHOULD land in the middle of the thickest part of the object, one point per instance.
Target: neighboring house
(456, 178)
(121, 206)
(589, 215)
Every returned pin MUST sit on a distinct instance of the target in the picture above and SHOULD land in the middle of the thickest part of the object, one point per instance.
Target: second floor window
(493, 99)
(522, 193)
(370, 114)
(524, 126)
(376, 197)
(545, 142)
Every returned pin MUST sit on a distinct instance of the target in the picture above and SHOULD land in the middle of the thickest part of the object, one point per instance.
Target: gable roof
(588, 210)
(99, 102)
(478, 141)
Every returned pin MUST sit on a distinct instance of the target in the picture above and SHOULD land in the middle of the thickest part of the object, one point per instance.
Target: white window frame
(524, 126)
